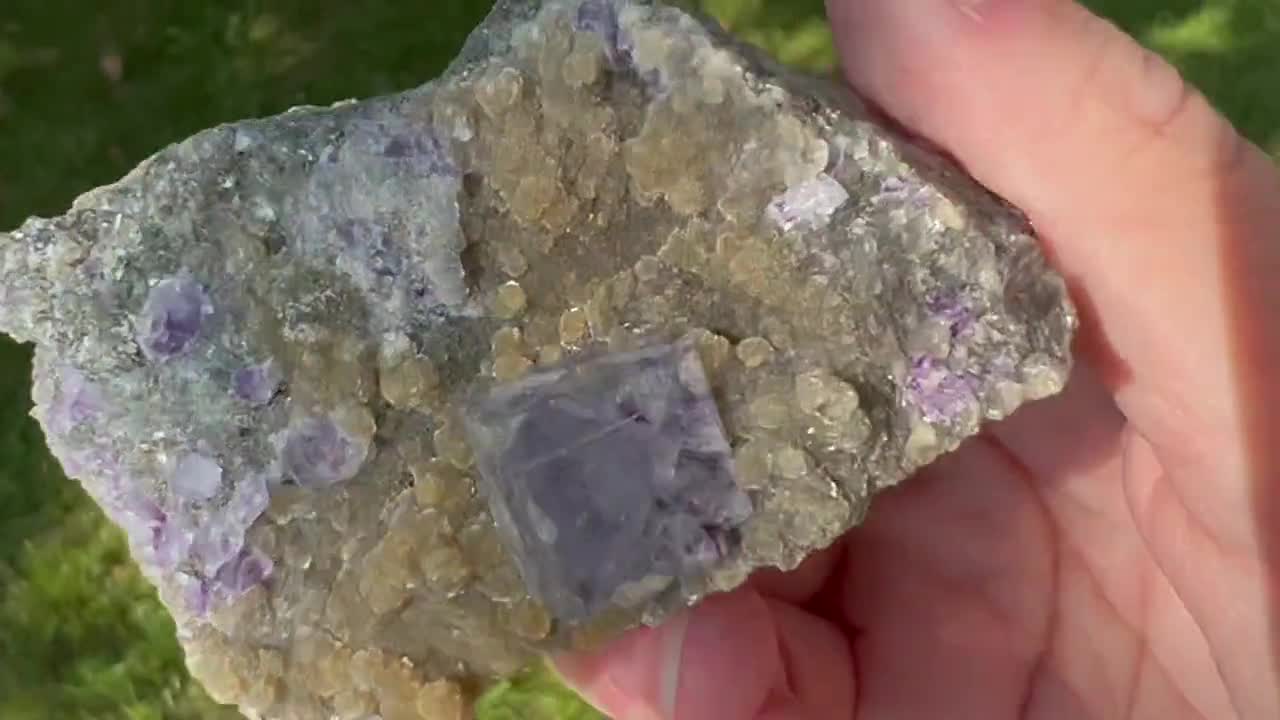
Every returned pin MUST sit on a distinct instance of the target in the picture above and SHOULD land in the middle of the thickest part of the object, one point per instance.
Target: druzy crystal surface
(392, 397)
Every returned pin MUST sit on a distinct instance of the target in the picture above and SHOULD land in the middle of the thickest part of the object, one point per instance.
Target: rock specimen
(394, 396)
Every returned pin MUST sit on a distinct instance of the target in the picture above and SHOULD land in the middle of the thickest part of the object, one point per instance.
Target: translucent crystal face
(609, 475)
(174, 312)
(197, 478)
(319, 453)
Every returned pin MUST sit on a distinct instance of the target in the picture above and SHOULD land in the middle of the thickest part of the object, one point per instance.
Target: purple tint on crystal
(398, 147)
(318, 453)
(422, 149)
(696, 549)
(197, 595)
(893, 186)
(257, 384)
(940, 395)
(249, 500)
(197, 478)
(172, 316)
(134, 512)
(245, 571)
(608, 473)
(215, 543)
(78, 401)
(810, 203)
(170, 542)
(600, 17)
(953, 310)
(76, 463)
(143, 509)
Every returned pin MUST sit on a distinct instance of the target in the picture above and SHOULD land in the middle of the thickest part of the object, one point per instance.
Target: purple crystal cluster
(192, 524)
(941, 386)
(609, 474)
(938, 392)
(190, 518)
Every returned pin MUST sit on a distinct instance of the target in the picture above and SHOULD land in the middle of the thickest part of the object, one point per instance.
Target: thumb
(738, 656)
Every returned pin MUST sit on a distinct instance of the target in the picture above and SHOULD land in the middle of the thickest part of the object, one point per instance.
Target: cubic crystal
(172, 317)
(609, 471)
(318, 453)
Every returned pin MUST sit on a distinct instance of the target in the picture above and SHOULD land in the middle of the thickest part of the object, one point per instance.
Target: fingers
(1149, 201)
(1164, 221)
(734, 657)
(818, 663)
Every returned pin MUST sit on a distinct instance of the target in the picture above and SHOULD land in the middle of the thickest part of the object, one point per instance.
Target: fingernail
(648, 686)
(635, 678)
(672, 659)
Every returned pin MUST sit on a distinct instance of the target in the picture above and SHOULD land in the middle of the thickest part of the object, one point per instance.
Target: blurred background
(88, 88)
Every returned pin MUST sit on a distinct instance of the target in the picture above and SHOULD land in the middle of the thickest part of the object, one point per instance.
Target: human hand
(1111, 553)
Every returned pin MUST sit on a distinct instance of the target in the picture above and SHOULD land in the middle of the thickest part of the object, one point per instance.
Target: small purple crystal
(78, 401)
(170, 542)
(374, 244)
(197, 595)
(172, 316)
(896, 191)
(600, 17)
(953, 310)
(809, 204)
(413, 148)
(257, 384)
(424, 150)
(249, 499)
(215, 543)
(318, 453)
(941, 395)
(245, 571)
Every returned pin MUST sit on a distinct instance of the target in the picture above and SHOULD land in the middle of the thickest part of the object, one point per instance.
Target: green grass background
(90, 87)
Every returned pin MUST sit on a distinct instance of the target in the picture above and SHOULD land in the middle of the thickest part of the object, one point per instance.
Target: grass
(81, 102)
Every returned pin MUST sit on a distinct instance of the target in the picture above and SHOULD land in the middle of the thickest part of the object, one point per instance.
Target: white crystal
(811, 203)
(197, 477)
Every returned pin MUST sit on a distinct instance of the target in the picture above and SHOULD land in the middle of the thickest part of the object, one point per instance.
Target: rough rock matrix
(392, 397)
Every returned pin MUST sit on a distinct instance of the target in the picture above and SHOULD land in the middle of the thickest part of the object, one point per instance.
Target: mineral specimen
(392, 397)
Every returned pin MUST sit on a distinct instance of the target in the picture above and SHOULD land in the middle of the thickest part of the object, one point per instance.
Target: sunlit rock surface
(394, 396)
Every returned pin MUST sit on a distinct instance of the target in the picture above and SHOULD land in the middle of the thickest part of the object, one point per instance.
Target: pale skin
(1110, 553)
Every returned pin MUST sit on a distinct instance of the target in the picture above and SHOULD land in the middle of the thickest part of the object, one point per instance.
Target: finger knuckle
(1161, 96)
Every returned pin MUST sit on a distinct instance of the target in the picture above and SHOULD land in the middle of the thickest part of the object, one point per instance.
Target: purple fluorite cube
(610, 478)
(318, 453)
(172, 316)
